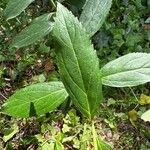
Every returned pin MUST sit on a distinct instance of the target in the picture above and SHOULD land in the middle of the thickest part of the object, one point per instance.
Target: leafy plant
(78, 65)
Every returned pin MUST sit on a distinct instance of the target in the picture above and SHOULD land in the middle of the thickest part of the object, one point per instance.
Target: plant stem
(53, 3)
(94, 136)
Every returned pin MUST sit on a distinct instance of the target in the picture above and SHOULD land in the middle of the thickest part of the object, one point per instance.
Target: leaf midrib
(126, 71)
(77, 86)
(72, 48)
(16, 99)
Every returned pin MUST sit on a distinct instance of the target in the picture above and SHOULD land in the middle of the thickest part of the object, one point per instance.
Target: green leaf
(15, 7)
(94, 14)
(102, 145)
(129, 70)
(40, 27)
(35, 99)
(147, 20)
(77, 62)
(133, 39)
(8, 146)
(58, 146)
(146, 116)
(10, 133)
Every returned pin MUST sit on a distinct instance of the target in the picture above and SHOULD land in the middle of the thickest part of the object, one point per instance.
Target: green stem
(94, 136)
(53, 3)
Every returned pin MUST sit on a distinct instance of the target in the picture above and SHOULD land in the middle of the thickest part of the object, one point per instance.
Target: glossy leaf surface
(40, 27)
(15, 7)
(36, 99)
(94, 14)
(77, 61)
(129, 70)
